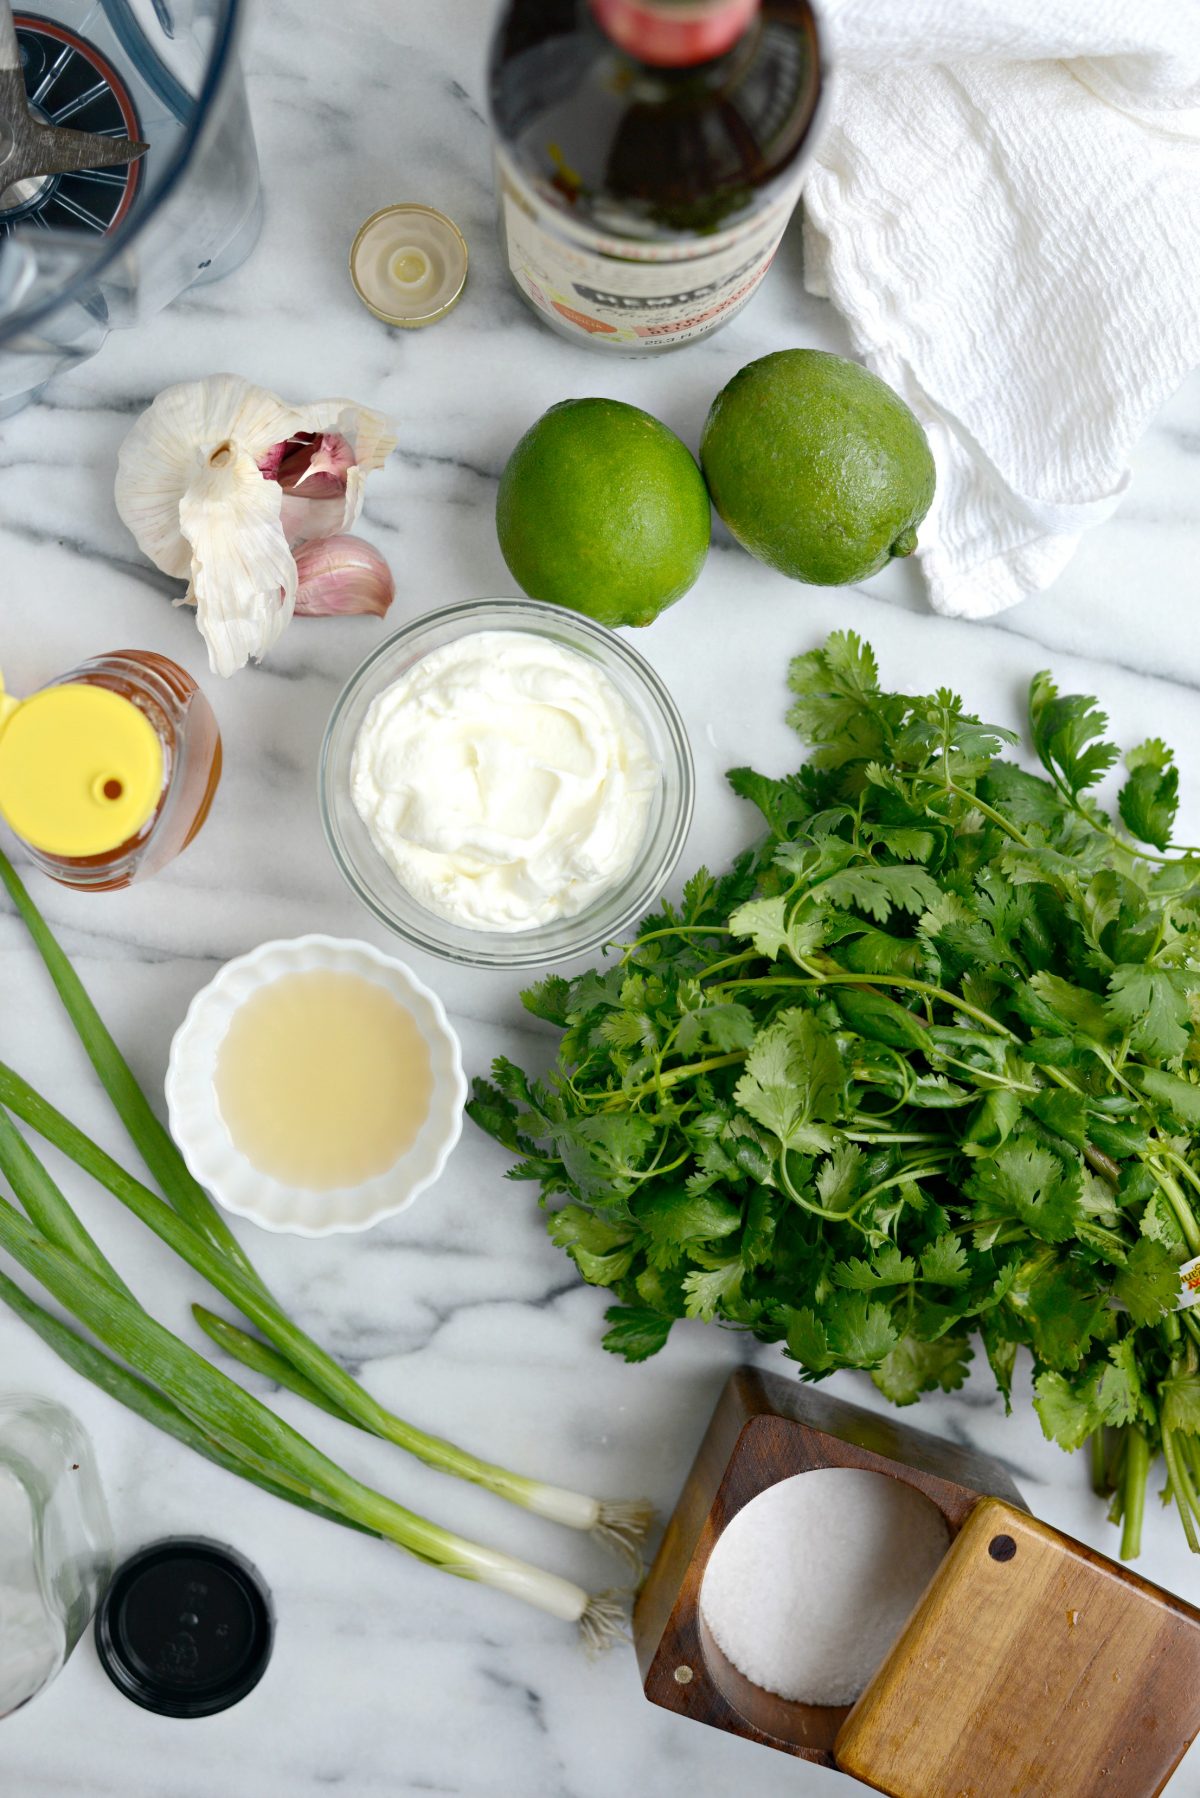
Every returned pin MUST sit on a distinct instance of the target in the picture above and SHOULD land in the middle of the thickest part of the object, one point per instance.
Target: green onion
(200, 1235)
(47, 1208)
(261, 1358)
(151, 1139)
(144, 1400)
(618, 1525)
(242, 1426)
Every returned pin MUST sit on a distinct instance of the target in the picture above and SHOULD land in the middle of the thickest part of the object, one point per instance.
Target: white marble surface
(388, 1678)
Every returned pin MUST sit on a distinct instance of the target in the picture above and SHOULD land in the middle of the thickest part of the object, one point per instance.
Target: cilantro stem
(980, 805)
(1135, 1475)
(615, 1100)
(1101, 1164)
(1183, 1212)
(907, 982)
(1184, 1167)
(730, 961)
(891, 1136)
(1183, 1490)
(913, 1172)
(1101, 1483)
(652, 936)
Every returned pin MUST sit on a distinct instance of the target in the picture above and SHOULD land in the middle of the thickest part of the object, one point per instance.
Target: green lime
(602, 509)
(817, 467)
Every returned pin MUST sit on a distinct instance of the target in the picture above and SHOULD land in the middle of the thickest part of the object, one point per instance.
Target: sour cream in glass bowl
(506, 784)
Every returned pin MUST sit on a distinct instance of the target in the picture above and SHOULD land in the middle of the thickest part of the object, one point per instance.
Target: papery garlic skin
(191, 490)
(342, 575)
(230, 510)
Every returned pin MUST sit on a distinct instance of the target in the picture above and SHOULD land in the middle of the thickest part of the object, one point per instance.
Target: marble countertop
(388, 1678)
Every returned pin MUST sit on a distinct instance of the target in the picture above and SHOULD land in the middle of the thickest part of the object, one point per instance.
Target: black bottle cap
(185, 1628)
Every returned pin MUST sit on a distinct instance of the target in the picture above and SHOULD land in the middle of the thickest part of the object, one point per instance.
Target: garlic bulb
(219, 480)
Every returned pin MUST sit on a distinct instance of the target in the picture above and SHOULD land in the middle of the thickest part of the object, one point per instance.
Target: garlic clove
(371, 440)
(315, 467)
(243, 573)
(342, 575)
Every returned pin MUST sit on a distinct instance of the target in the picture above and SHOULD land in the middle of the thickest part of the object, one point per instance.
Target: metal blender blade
(33, 149)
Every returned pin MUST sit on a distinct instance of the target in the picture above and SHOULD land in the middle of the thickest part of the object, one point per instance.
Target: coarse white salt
(813, 1580)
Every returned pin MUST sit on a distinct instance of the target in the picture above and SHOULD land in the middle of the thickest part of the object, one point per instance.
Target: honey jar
(107, 773)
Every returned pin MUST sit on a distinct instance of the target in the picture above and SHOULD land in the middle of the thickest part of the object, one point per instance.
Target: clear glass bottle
(108, 772)
(56, 1549)
(649, 154)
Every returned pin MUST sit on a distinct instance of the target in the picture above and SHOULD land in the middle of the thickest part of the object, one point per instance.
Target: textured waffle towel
(1006, 208)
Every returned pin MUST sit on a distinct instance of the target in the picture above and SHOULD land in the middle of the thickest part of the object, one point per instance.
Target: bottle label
(629, 292)
(1189, 1285)
(675, 35)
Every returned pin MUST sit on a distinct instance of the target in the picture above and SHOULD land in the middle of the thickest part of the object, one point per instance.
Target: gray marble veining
(387, 1678)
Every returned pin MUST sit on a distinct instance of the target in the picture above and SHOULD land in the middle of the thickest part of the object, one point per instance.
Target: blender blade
(31, 147)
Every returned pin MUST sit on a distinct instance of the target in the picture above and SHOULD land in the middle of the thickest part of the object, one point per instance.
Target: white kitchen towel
(1005, 205)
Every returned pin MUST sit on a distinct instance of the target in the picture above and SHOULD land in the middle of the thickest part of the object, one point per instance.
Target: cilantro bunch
(919, 1071)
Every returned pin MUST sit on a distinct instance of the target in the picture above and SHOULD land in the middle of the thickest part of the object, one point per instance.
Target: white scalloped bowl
(210, 1151)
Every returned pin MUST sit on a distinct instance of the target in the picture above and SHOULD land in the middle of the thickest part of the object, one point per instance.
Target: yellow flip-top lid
(81, 769)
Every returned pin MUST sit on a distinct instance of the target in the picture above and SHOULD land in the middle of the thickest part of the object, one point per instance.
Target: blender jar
(96, 250)
(56, 1550)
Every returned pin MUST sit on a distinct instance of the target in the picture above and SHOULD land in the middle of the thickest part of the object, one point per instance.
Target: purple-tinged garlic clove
(342, 575)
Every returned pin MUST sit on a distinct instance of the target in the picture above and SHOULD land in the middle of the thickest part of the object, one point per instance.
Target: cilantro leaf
(1148, 1284)
(1059, 1005)
(671, 1218)
(834, 711)
(913, 1367)
(1177, 1096)
(708, 1288)
(549, 999)
(783, 803)
(1068, 734)
(723, 1026)
(1068, 1413)
(808, 1342)
(635, 1332)
(876, 1016)
(1148, 1005)
(889, 1268)
(1119, 1396)
(944, 1262)
(793, 1080)
(861, 1332)
(837, 1177)
(1180, 1398)
(1064, 1314)
(1029, 1182)
(1063, 1114)
(880, 891)
(774, 925)
(1150, 797)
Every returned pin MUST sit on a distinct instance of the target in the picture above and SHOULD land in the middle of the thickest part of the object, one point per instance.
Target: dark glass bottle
(649, 154)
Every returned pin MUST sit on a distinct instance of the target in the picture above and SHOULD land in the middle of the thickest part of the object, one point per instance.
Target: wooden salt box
(1031, 1666)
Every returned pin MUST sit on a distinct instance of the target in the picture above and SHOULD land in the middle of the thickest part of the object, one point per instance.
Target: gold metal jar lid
(409, 265)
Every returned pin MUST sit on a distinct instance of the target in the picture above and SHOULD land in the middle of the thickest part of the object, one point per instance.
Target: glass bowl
(610, 915)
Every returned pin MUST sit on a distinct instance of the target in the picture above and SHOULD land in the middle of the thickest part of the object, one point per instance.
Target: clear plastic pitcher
(56, 1550)
(85, 253)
